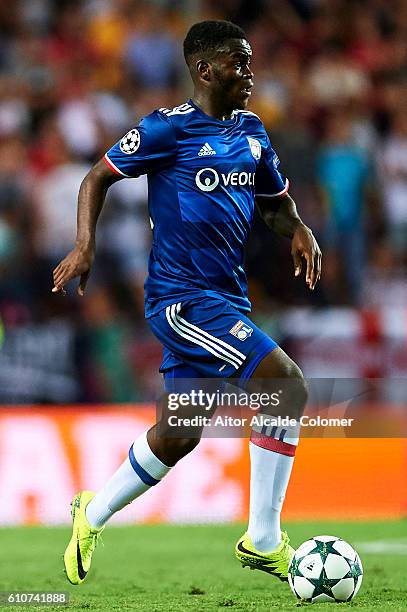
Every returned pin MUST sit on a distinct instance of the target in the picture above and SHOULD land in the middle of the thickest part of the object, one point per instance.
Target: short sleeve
(149, 147)
(269, 181)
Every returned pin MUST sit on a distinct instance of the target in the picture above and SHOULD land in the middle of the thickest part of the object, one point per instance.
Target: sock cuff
(273, 444)
(145, 462)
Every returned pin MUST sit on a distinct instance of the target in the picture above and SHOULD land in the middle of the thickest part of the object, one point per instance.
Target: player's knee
(295, 387)
(299, 391)
(278, 368)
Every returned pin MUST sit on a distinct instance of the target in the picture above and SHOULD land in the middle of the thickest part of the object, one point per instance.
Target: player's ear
(203, 69)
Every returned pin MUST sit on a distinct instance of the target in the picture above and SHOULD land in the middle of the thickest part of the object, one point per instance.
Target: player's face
(232, 76)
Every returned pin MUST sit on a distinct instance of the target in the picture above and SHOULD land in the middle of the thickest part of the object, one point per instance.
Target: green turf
(174, 568)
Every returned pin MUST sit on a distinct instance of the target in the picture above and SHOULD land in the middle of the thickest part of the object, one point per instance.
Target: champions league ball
(325, 568)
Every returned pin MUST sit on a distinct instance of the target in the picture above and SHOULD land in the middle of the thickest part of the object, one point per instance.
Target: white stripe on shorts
(197, 336)
(204, 333)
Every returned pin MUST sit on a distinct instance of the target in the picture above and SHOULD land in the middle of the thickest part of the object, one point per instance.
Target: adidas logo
(206, 150)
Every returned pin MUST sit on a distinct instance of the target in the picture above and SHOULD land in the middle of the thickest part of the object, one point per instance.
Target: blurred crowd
(331, 88)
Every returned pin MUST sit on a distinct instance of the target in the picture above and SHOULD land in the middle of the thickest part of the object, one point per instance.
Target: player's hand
(77, 263)
(304, 246)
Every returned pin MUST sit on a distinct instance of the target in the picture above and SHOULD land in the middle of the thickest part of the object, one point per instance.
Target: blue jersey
(203, 175)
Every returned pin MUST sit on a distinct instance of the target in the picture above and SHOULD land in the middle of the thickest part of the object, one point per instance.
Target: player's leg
(203, 338)
(150, 458)
(162, 442)
(141, 470)
(220, 340)
(272, 451)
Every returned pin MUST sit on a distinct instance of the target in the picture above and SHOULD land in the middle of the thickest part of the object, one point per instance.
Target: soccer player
(207, 161)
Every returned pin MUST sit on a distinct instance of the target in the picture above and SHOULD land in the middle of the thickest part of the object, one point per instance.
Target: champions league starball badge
(130, 142)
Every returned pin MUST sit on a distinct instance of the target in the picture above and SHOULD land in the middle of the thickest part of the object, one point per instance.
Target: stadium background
(331, 87)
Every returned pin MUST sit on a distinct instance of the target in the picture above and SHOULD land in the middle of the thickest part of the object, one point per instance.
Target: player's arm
(91, 198)
(280, 215)
(149, 147)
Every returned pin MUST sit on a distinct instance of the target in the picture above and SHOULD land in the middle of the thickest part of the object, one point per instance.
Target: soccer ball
(325, 568)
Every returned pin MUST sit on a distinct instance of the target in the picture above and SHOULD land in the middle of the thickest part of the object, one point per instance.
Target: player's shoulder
(159, 126)
(169, 122)
(178, 115)
(250, 119)
(253, 127)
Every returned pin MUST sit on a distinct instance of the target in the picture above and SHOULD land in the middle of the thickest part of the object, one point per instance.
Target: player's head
(218, 57)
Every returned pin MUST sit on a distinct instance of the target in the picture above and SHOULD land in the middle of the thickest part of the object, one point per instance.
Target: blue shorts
(209, 338)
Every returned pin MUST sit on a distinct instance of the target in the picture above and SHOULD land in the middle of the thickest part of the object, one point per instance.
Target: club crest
(255, 147)
(241, 330)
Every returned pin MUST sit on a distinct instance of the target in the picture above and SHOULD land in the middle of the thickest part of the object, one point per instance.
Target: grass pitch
(181, 568)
